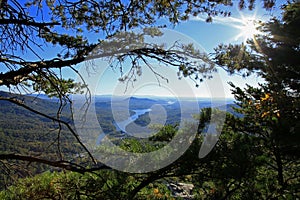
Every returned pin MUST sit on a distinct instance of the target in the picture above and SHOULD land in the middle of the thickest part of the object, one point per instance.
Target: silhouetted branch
(60, 164)
(27, 23)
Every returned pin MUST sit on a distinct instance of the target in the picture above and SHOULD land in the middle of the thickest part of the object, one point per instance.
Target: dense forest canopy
(256, 157)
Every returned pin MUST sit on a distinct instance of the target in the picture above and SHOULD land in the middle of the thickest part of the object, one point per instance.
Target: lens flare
(248, 29)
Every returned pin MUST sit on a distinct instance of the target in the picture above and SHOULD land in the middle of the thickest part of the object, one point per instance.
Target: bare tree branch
(28, 23)
(60, 164)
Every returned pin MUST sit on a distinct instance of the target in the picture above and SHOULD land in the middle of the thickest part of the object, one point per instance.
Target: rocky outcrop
(183, 190)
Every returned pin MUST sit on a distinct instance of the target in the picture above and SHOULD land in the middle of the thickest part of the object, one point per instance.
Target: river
(121, 126)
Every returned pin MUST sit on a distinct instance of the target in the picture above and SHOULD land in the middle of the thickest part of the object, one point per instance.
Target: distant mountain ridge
(48, 105)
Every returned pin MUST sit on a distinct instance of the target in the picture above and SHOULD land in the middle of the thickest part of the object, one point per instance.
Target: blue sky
(207, 36)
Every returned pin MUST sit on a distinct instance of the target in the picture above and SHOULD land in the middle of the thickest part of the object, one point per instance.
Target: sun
(248, 29)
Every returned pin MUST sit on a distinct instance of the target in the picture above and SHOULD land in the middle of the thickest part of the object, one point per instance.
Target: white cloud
(229, 21)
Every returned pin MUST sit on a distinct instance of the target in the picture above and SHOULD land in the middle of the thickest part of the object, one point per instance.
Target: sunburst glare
(248, 29)
(244, 26)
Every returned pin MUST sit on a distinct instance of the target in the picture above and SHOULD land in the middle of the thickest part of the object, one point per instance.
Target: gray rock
(183, 190)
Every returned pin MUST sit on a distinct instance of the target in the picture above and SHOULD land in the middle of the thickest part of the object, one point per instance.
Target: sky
(205, 36)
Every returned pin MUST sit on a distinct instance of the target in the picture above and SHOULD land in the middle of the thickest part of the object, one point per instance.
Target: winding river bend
(121, 126)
